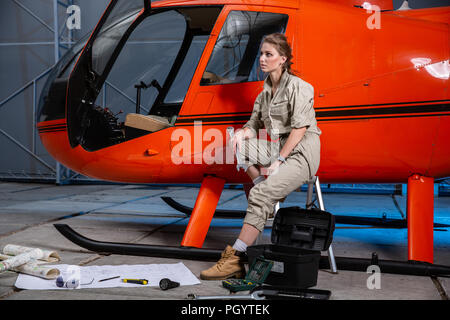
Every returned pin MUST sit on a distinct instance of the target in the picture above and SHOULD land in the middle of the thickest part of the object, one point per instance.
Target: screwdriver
(135, 281)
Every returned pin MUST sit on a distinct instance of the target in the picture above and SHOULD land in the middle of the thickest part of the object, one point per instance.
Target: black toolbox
(298, 236)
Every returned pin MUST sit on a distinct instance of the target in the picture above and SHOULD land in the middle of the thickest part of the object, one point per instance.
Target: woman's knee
(261, 197)
(253, 172)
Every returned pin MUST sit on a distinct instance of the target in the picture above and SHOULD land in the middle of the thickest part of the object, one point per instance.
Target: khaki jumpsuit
(290, 107)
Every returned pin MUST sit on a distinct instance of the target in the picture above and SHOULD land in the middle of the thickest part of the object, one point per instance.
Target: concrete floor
(136, 214)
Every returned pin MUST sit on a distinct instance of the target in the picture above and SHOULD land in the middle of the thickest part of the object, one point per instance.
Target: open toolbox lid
(301, 228)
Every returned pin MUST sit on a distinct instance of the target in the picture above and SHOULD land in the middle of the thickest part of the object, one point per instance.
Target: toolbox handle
(302, 235)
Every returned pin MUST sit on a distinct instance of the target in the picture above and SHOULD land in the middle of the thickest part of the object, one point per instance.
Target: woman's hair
(279, 41)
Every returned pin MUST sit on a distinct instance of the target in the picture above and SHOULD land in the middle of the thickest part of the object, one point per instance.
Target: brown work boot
(229, 266)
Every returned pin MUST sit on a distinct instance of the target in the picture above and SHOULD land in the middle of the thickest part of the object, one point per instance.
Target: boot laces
(224, 258)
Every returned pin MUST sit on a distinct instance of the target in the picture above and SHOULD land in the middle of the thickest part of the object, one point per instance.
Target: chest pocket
(280, 114)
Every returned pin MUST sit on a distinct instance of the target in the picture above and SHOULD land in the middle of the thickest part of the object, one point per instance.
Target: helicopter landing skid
(190, 253)
(133, 249)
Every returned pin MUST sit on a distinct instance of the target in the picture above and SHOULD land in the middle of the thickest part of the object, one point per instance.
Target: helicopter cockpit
(142, 61)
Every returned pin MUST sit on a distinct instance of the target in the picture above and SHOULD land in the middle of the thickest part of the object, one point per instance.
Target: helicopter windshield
(110, 34)
(53, 94)
(142, 62)
(148, 59)
(138, 65)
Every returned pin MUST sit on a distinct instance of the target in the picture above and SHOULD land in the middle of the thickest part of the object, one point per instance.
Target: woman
(285, 109)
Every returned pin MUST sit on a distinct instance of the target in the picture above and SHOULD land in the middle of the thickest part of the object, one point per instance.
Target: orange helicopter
(381, 80)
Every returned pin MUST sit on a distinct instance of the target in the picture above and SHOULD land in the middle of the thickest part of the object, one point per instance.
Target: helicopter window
(122, 8)
(53, 95)
(117, 23)
(141, 62)
(147, 57)
(181, 84)
(236, 53)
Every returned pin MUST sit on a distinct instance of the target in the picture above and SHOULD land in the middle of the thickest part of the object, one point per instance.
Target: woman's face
(270, 59)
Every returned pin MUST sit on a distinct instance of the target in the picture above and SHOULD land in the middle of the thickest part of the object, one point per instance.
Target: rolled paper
(47, 255)
(34, 269)
(20, 259)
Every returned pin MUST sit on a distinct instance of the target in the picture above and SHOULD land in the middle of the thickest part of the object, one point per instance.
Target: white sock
(258, 179)
(240, 245)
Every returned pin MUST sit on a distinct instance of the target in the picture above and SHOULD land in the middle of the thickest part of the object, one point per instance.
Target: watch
(281, 158)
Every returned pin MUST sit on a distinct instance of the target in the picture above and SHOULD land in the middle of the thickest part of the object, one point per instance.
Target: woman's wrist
(281, 159)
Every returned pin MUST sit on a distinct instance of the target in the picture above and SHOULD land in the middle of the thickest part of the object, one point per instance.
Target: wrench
(256, 295)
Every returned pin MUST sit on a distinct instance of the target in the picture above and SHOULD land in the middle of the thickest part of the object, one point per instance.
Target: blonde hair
(279, 41)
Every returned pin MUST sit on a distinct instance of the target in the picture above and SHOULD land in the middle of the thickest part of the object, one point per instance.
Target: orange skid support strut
(203, 211)
(420, 205)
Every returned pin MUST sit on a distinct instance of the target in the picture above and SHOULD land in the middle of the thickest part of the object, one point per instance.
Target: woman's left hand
(273, 169)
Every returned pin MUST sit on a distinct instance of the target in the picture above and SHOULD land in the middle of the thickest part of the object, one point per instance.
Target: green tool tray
(256, 275)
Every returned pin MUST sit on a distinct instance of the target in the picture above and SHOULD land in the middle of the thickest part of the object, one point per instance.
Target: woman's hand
(273, 169)
(237, 139)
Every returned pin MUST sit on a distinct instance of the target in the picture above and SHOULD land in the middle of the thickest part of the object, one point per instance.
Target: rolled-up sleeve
(302, 102)
(255, 122)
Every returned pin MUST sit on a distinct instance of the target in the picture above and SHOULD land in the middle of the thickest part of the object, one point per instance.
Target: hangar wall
(29, 47)
(27, 52)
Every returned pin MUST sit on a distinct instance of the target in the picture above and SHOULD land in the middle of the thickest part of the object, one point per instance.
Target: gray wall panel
(27, 50)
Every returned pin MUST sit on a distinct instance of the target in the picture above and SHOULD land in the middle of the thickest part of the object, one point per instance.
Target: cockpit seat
(146, 122)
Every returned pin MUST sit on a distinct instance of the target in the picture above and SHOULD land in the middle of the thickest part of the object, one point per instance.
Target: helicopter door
(230, 76)
(155, 52)
(87, 77)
